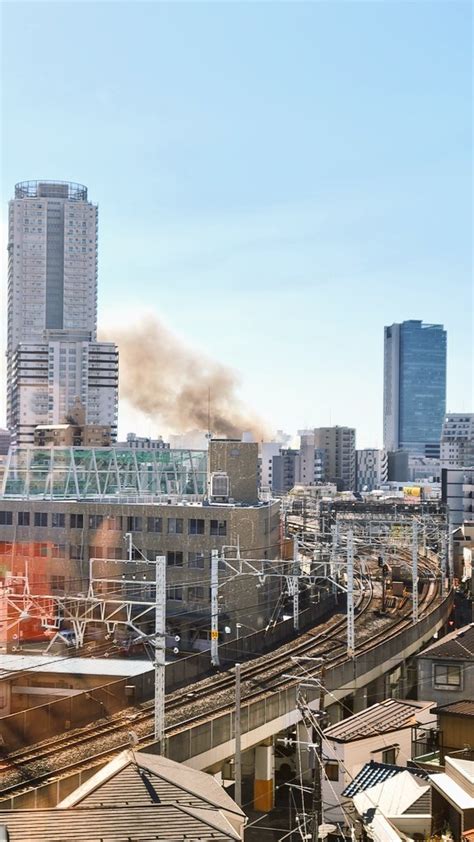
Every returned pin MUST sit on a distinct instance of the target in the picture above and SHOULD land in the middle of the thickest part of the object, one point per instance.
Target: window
(331, 768)
(196, 594)
(196, 526)
(58, 519)
(175, 592)
(95, 521)
(174, 558)
(58, 583)
(154, 524)
(196, 560)
(96, 552)
(76, 521)
(40, 549)
(447, 675)
(114, 522)
(175, 525)
(134, 524)
(218, 527)
(114, 552)
(23, 518)
(58, 551)
(6, 518)
(41, 518)
(75, 551)
(389, 755)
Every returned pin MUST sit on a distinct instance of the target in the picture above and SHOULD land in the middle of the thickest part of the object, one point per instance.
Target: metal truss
(82, 473)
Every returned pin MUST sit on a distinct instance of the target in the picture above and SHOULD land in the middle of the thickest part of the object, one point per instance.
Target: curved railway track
(207, 698)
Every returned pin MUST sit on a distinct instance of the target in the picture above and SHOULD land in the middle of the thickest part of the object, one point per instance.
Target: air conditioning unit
(219, 487)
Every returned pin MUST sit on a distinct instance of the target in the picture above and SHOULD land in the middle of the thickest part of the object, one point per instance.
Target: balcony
(429, 751)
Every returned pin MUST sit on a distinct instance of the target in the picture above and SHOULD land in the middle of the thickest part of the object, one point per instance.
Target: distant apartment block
(457, 440)
(372, 468)
(414, 403)
(53, 357)
(337, 447)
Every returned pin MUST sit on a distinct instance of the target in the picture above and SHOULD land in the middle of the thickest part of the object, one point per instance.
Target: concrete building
(268, 449)
(337, 446)
(414, 387)
(311, 461)
(457, 440)
(135, 442)
(285, 470)
(53, 357)
(445, 669)
(63, 506)
(372, 469)
(457, 491)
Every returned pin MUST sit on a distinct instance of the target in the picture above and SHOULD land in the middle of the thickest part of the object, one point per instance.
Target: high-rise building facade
(53, 357)
(337, 447)
(414, 387)
(457, 440)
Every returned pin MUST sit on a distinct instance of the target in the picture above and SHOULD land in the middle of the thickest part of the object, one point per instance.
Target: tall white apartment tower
(53, 358)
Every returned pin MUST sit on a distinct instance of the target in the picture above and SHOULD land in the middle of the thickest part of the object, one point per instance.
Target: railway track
(207, 698)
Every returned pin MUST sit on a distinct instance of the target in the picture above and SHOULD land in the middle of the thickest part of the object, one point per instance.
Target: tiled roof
(465, 707)
(375, 773)
(140, 779)
(389, 715)
(370, 774)
(459, 645)
(120, 824)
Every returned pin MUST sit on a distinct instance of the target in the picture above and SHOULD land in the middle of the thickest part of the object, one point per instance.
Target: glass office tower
(414, 387)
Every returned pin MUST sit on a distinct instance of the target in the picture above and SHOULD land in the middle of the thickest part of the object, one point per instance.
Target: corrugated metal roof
(459, 644)
(11, 664)
(165, 822)
(465, 707)
(422, 806)
(389, 715)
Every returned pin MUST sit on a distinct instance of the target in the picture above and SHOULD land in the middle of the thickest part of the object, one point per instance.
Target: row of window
(43, 549)
(131, 523)
(194, 594)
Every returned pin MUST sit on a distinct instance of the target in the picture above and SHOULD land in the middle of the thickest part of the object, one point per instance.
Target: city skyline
(253, 199)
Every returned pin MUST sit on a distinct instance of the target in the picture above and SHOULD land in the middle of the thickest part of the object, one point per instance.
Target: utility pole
(238, 747)
(214, 608)
(160, 644)
(444, 552)
(350, 596)
(450, 557)
(317, 802)
(296, 587)
(414, 554)
(334, 542)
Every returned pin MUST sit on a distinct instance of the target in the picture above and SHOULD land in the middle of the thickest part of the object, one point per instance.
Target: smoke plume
(179, 386)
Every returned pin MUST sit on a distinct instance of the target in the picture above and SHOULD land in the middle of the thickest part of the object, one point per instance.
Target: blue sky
(276, 181)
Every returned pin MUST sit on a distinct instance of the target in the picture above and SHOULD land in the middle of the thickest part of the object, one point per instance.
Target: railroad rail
(60, 757)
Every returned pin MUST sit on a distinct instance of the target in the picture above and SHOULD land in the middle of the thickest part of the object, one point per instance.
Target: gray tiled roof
(458, 645)
(389, 715)
(166, 822)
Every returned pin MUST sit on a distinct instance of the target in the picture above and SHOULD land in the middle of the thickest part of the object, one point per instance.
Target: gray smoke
(170, 383)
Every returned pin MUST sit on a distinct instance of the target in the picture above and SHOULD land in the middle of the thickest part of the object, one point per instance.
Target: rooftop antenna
(209, 434)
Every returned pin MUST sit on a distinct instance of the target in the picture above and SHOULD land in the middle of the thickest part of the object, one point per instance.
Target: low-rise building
(381, 733)
(453, 798)
(445, 669)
